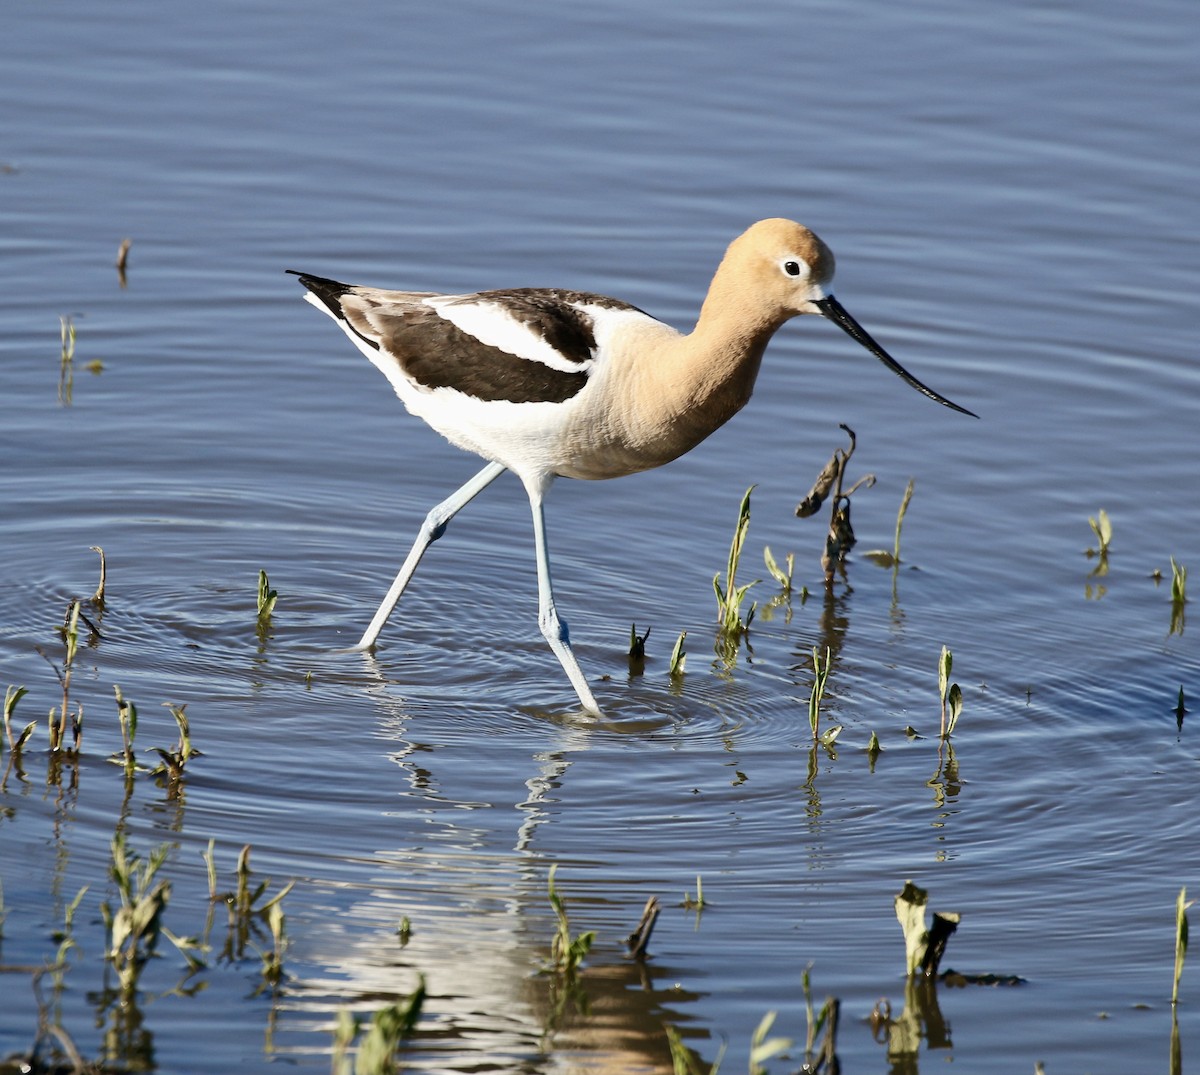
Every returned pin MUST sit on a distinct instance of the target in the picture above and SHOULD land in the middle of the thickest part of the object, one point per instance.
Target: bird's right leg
(432, 528)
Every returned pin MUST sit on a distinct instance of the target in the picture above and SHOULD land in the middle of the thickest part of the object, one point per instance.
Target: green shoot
(1181, 939)
(784, 578)
(696, 902)
(404, 931)
(763, 1048)
(66, 367)
(892, 559)
(390, 1028)
(684, 1061)
(951, 694)
(1178, 582)
(678, 656)
(820, 677)
(243, 907)
(1102, 529)
(272, 958)
(210, 864)
(826, 1020)
(637, 643)
(12, 695)
(731, 596)
(174, 761)
(567, 953)
(135, 925)
(58, 723)
(874, 749)
(908, 492)
(127, 715)
(266, 598)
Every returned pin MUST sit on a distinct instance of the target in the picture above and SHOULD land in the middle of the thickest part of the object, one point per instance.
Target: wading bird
(554, 383)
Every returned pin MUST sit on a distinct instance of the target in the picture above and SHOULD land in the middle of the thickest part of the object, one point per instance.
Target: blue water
(1010, 194)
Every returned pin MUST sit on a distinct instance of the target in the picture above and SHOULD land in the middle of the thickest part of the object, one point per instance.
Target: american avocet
(549, 383)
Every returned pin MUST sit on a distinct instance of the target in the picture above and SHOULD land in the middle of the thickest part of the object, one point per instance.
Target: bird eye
(792, 268)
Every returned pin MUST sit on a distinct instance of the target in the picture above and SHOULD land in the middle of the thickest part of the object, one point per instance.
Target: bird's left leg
(553, 628)
(432, 528)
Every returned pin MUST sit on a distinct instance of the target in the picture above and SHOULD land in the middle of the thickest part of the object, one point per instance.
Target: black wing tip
(328, 291)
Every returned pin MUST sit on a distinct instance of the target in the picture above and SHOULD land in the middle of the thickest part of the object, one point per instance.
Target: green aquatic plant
(764, 1048)
(731, 596)
(174, 760)
(678, 657)
(826, 1020)
(1181, 940)
(272, 957)
(696, 902)
(127, 716)
(135, 924)
(637, 643)
(66, 366)
(816, 694)
(1102, 529)
(784, 578)
(59, 717)
(12, 695)
(892, 559)
(567, 951)
(874, 749)
(245, 913)
(1178, 582)
(389, 1029)
(266, 599)
(685, 1061)
(951, 694)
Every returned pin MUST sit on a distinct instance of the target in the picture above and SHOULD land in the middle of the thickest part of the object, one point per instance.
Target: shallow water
(1010, 195)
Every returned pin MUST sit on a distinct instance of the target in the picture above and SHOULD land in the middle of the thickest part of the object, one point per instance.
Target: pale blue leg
(432, 528)
(555, 629)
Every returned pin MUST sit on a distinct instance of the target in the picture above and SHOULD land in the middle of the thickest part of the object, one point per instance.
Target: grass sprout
(128, 717)
(764, 1048)
(1178, 582)
(567, 952)
(389, 1029)
(696, 902)
(59, 717)
(1102, 530)
(678, 657)
(731, 596)
(820, 678)
(892, 559)
(174, 760)
(637, 643)
(951, 694)
(135, 925)
(784, 578)
(826, 1020)
(1181, 940)
(266, 599)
